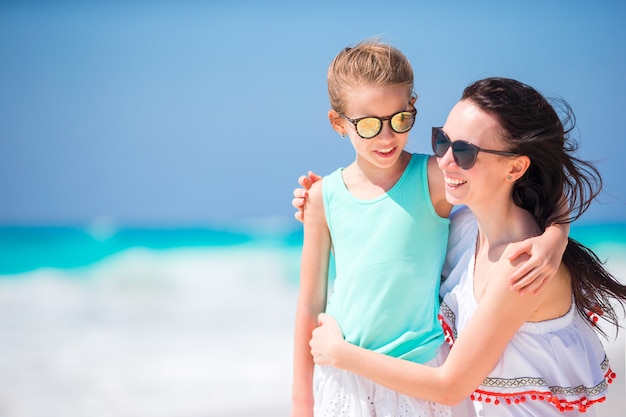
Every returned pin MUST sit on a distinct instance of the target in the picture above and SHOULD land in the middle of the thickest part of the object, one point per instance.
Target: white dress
(555, 367)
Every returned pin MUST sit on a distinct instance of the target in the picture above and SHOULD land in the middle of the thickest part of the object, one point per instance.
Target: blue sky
(153, 113)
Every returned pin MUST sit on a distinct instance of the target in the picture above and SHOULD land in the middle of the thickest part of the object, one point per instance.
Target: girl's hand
(300, 194)
(546, 252)
(326, 342)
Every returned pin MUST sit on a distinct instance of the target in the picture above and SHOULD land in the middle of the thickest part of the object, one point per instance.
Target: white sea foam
(147, 333)
(185, 333)
(614, 256)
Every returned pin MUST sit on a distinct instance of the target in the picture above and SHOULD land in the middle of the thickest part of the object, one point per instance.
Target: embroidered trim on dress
(549, 395)
(449, 332)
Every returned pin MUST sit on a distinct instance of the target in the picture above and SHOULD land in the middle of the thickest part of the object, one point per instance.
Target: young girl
(385, 217)
(504, 153)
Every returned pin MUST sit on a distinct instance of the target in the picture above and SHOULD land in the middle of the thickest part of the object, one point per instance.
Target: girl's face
(488, 177)
(384, 149)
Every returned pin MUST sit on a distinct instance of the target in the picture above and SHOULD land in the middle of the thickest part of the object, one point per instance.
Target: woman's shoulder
(462, 224)
(462, 236)
(461, 245)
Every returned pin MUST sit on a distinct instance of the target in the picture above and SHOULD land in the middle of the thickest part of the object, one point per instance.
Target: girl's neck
(367, 181)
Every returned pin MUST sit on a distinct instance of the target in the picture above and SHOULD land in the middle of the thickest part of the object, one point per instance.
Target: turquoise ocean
(109, 321)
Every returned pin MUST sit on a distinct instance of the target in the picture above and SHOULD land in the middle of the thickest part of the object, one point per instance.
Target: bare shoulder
(436, 188)
(556, 297)
(316, 188)
(315, 199)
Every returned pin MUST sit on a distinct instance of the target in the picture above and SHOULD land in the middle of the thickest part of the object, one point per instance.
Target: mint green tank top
(388, 256)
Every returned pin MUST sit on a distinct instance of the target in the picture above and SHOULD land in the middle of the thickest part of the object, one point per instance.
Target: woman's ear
(518, 166)
(336, 121)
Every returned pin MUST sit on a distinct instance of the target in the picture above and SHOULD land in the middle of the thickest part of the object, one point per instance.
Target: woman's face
(488, 177)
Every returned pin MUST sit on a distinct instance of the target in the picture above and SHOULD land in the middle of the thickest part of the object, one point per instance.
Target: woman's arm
(311, 299)
(478, 348)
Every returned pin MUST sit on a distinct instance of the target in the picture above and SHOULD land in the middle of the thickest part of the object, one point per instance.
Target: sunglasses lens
(402, 122)
(440, 143)
(368, 127)
(464, 154)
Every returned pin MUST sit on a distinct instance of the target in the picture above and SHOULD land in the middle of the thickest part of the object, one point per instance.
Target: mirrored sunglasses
(369, 127)
(463, 152)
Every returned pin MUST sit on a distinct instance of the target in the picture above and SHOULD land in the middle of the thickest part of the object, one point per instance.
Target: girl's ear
(518, 167)
(336, 121)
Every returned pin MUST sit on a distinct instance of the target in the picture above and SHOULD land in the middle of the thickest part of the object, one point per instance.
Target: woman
(506, 155)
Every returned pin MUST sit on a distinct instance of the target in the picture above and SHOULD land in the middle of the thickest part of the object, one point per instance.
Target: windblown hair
(531, 126)
(369, 63)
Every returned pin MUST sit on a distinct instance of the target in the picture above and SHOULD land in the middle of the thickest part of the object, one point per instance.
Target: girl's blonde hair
(369, 63)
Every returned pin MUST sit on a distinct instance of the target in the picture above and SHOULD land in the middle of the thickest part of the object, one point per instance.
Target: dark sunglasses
(464, 153)
(368, 127)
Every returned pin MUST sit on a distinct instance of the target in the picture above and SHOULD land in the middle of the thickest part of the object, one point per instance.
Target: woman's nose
(447, 159)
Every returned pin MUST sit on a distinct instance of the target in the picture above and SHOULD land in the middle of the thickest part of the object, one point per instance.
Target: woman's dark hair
(531, 126)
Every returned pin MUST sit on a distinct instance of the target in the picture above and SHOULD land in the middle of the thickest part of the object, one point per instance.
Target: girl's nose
(386, 132)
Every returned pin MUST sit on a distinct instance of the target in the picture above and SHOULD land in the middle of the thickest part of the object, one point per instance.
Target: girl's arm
(437, 189)
(546, 252)
(311, 299)
(497, 318)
